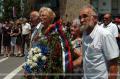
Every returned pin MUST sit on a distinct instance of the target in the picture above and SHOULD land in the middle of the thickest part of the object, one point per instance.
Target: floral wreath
(36, 59)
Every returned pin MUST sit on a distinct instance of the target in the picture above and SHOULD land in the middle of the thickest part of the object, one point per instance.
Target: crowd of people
(14, 34)
(94, 46)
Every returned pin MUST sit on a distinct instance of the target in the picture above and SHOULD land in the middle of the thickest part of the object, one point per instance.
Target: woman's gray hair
(51, 13)
(76, 21)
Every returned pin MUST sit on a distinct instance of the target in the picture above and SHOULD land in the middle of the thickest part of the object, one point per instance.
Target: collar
(108, 24)
(92, 34)
(38, 26)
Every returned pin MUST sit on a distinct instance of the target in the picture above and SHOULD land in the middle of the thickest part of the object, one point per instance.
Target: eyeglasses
(83, 16)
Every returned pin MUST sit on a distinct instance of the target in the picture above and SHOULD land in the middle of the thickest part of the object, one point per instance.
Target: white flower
(40, 54)
(35, 59)
(36, 50)
(29, 57)
(37, 55)
(32, 49)
(33, 65)
(43, 58)
(30, 53)
(39, 50)
(29, 62)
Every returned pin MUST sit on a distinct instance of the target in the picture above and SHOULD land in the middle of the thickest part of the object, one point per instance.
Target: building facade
(107, 6)
(67, 9)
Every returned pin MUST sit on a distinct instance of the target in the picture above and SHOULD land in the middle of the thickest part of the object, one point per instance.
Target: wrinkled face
(106, 19)
(44, 17)
(74, 29)
(33, 17)
(87, 20)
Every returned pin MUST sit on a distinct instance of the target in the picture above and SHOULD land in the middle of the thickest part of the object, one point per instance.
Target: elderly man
(108, 25)
(34, 19)
(99, 46)
(36, 25)
(107, 19)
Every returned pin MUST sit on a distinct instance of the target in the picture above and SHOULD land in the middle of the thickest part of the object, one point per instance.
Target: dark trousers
(25, 40)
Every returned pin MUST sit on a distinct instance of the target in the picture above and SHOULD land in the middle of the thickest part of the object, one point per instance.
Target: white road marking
(3, 59)
(14, 72)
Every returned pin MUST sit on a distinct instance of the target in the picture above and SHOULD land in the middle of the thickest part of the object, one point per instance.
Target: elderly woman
(48, 43)
(46, 16)
(54, 61)
(76, 45)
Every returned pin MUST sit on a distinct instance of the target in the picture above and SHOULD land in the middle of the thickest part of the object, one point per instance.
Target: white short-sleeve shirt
(98, 48)
(112, 28)
(26, 28)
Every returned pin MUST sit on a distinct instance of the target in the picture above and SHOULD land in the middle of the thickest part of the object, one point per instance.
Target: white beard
(86, 27)
(83, 28)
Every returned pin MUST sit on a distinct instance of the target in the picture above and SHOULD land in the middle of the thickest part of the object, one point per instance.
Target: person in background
(100, 48)
(13, 37)
(15, 31)
(112, 27)
(26, 34)
(77, 49)
(35, 20)
(19, 38)
(6, 38)
(109, 25)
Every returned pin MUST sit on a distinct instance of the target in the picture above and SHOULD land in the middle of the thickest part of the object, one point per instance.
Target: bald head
(34, 14)
(108, 15)
(34, 18)
(107, 18)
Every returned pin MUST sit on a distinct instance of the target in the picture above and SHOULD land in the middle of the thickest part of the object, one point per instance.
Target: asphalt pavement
(11, 67)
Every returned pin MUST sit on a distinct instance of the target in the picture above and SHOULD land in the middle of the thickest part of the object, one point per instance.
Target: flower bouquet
(35, 62)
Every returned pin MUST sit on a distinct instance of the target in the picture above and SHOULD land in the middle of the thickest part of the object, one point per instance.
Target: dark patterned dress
(6, 36)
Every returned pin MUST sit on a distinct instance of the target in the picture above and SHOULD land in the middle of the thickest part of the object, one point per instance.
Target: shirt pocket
(94, 53)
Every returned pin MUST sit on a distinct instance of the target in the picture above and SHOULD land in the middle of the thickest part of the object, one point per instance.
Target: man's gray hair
(92, 10)
(36, 13)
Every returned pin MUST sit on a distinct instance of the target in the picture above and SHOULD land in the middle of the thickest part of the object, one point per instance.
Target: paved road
(11, 67)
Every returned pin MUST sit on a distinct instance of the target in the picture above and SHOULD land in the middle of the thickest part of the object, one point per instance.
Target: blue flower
(27, 68)
(44, 49)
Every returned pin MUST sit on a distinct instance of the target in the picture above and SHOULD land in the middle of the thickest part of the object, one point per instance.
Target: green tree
(8, 8)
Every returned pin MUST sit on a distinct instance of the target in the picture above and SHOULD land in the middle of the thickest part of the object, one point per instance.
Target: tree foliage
(8, 8)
